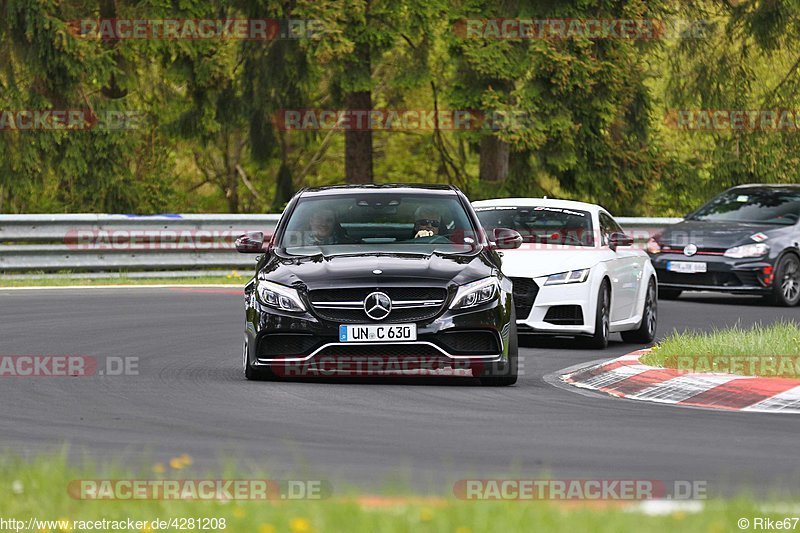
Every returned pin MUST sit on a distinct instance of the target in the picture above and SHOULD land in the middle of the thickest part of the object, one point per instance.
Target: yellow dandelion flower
(177, 463)
(426, 515)
(158, 468)
(266, 528)
(187, 459)
(299, 525)
(238, 512)
(64, 524)
(463, 529)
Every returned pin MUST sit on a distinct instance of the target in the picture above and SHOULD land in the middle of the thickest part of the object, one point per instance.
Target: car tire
(602, 320)
(250, 372)
(646, 332)
(669, 294)
(505, 373)
(786, 285)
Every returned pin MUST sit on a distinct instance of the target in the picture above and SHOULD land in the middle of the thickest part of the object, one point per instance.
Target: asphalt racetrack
(190, 397)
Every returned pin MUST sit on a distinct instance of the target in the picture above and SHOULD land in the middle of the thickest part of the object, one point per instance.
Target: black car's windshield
(759, 206)
(539, 224)
(378, 223)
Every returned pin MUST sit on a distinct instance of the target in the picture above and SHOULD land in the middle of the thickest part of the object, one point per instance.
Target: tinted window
(539, 224)
(380, 222)
(608, 226)
(762, 206)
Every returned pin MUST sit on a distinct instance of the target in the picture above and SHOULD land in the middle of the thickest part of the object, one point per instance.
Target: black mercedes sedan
(744, 241)
(380, 280)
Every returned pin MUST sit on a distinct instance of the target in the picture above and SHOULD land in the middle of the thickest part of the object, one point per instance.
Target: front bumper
(443, 341)
(741, 276)
(556, 309)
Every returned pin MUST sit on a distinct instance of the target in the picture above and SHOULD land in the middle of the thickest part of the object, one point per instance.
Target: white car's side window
(607, 226)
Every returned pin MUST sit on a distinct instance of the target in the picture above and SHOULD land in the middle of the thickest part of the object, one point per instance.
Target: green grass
(763, 350)
(234, 278)
(38, 488)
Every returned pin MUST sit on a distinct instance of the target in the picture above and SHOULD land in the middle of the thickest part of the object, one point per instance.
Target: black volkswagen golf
(380, 279)
(743, 241)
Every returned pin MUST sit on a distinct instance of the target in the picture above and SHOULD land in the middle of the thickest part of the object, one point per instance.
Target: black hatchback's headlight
(747, 250)
(278, 296)
(475, 293)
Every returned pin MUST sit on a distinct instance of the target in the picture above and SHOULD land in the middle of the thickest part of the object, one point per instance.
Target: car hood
(549, 259)
(320, 271)
(721, 235)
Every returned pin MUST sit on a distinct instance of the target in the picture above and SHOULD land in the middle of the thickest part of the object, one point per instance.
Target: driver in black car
(323, 228)
(426, 222)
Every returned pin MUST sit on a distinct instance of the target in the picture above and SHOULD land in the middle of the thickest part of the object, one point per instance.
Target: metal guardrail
(114, 243)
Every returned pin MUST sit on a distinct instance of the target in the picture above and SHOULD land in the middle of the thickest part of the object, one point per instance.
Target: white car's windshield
(541, 225)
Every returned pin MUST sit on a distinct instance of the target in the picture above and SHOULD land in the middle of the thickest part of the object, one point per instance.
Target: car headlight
(572, 276)
(278, 296)
(747, 250)
(475, 293)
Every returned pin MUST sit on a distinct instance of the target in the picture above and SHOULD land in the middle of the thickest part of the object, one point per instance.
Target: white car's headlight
(278, 296)
(747, 250)
(475, 293)
(572, 276)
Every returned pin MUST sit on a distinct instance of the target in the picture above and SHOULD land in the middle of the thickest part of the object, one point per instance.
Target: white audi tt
(576, 272)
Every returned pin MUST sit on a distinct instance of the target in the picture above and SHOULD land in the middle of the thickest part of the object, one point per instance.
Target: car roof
(543, 202)
(375, 188)
(766, 186)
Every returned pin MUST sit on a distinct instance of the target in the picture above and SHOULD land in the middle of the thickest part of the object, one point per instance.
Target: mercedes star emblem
(377, 305)
(690, 250)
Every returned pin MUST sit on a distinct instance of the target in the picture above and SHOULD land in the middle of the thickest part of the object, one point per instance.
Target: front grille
(717, 279)
(565, 315)
(468, 342)
(285, 344)
(524, 292)
(352, 298)
(359, 293)
(381, 350)
(749, 278)
(700, 251)
(358, 316)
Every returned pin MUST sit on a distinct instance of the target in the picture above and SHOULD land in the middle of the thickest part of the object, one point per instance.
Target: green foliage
(583, 119)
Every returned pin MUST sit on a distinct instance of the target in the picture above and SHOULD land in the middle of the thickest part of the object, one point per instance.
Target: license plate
(686, 267)
(377, 332)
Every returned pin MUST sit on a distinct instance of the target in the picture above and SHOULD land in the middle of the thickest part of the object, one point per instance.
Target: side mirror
(617, 239)
(251, 242)
(506, 239)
